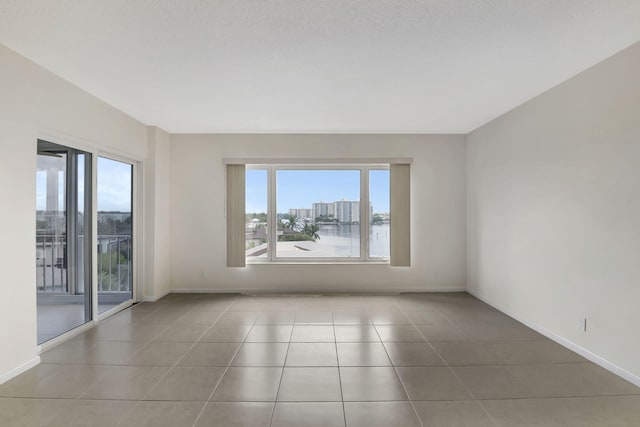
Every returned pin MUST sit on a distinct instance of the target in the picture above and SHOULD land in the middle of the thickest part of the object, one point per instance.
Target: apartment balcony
(63, 303)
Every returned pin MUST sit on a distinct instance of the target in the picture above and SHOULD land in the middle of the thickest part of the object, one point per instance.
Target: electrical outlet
(583, 324)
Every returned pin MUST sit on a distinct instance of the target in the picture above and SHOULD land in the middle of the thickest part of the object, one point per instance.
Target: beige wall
(198, 213)
(554, 211)
(157, 208)
(34, 102)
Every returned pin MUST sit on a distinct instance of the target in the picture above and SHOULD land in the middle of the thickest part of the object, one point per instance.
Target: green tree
(290, 222)
(311, 230)
(108, 271)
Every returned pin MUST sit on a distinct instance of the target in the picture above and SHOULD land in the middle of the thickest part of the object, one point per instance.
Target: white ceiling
(439, 66)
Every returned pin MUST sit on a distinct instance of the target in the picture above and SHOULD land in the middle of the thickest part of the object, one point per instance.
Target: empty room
(320, 213)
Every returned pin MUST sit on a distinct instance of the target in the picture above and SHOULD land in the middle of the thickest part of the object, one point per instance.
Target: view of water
(345, 239)
(379, 241)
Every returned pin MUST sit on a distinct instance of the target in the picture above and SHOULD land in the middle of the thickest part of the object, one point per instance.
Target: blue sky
(114, 184)
(301, 188)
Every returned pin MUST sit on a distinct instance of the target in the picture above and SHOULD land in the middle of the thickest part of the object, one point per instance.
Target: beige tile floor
(407, 360)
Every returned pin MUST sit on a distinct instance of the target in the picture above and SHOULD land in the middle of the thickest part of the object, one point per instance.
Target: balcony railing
(114, 264)
(51, 269)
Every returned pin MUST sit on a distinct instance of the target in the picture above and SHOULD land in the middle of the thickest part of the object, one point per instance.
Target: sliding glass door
(115, 232)
(63, 250)
(64, 238)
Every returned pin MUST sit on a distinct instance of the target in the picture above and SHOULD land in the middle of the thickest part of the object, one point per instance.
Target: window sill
(317, 263)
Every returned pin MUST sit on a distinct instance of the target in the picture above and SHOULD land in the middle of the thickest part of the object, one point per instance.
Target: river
(345, 239)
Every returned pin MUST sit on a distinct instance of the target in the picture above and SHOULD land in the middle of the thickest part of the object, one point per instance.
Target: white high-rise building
(322, 209)
(347, 211)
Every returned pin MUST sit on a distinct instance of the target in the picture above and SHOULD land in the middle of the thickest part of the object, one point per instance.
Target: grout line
(186, 352)
(589, 396)
(395, 370)
(133, 356)
(447, 365)
(215, 388)
(284, 363)
(233, 302)
(315, 366)
(344, 411)
(145, 346)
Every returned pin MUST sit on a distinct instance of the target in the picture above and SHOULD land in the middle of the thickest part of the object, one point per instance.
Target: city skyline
(299, 189)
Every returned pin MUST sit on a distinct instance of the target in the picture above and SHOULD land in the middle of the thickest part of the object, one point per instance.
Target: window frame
(135, 247)
(365, 223)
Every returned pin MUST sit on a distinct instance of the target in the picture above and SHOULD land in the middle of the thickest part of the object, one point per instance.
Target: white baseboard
(598, 360)
(290, 291)
(18, 370)
(66, 336)
(155, 298)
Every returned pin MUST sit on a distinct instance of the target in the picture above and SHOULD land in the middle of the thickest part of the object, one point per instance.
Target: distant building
(301, 213)
(347, 211)
(322, 209)
(113, 215)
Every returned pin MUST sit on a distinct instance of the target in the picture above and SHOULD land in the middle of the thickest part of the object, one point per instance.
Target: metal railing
(51, 269)
(114, 264)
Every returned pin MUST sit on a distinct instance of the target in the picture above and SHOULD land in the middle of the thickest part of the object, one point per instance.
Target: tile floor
(56, 319)
(443, 359)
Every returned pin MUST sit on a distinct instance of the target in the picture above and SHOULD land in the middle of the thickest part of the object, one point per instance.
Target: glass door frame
(136, 235)
(137, 227)
(74, 252)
